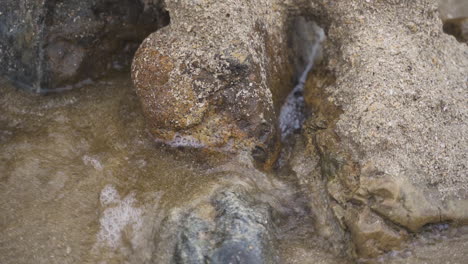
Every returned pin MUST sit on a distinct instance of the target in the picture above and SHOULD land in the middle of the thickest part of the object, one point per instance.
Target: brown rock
(215, 77)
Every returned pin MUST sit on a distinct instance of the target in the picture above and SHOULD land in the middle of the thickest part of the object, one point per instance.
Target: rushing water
(292, 114)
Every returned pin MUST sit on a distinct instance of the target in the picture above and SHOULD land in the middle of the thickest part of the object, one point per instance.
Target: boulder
(388, 103)
(216, 76)
(48, 46)
(389, 120)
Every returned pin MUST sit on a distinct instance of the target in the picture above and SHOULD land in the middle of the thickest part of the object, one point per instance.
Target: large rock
(216, 76)
(50, 45)
(227, 224)
(390, 120)
(238, 232)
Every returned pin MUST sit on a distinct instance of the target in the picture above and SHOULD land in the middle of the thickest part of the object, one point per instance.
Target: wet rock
(216, 76)
(305, 162)
(51, 45)
(230, 228)
(371, 235)
(402, 203)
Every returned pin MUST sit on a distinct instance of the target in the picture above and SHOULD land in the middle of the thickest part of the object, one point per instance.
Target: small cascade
(293, 114)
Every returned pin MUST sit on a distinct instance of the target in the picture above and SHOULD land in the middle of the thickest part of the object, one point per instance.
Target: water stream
(81, 181)
(292, 114)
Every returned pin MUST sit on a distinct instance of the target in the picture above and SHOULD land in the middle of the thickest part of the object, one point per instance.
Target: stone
(216, 76)
(371, 235)
(232, 227)
(48, 46)
(389, 107)
(388, 103)
(305, 162)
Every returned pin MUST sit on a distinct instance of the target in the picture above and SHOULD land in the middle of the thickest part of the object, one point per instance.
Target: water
(292, 114)
(81, 181)
(60, 154)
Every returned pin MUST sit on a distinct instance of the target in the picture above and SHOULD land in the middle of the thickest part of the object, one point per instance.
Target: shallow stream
(81, 181)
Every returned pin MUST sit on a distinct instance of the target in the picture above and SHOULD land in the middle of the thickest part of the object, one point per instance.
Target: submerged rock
(240, 232)
(228, 226)
(47, 45)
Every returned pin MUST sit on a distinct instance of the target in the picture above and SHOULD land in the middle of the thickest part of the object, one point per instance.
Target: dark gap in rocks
(62, 45)
(454, 16)
(458, 28)
(305, 39)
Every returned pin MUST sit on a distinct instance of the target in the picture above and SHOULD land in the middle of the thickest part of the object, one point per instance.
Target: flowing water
(81, 181)
(78, 168)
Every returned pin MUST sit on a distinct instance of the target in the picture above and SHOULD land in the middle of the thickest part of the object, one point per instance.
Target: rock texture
(228, 225)
(216, 76)
(239, 232)
(389, 102)
(50, 45)
(390, 120)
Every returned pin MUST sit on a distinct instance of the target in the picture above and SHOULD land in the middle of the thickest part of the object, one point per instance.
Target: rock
(230, 228)
(305, 162)
(371, 235)
(389, 103)
(216, 76)
(48, 45)
(389, 119)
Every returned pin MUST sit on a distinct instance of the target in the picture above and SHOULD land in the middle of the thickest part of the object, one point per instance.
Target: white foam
(109, 195)
(185, 141)
(121, 214)
(90, 161)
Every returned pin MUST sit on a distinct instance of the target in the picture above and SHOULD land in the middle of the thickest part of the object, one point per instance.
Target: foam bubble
(109, 195)
(116, 218)
(90, 161)
(185, 141)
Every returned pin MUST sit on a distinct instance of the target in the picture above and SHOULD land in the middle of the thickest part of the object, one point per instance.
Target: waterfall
(292, 114)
